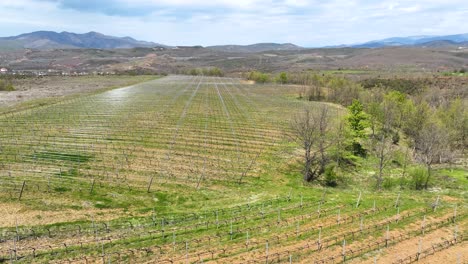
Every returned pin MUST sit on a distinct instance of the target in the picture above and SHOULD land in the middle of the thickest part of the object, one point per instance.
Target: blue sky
(196, 22)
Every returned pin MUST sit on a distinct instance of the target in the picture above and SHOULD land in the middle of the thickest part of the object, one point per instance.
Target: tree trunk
(428, 176)
(307, 167)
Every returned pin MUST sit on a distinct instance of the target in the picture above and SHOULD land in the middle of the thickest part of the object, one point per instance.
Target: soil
(32, 88)
(410, 247)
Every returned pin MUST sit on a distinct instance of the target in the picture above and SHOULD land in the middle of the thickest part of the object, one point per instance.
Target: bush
(390, 183)
(330, 177)
(418, 178)
(282, 78)
(259, 77)
(395, 84)
(6, 85)
(213, 71)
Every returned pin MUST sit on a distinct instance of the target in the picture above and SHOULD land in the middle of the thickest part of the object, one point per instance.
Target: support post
(22, 189)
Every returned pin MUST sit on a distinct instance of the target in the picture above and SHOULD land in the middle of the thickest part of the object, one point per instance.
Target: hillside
(65, 40)
(171, 60)
(447, 40)
(196, 169)
(259, 47)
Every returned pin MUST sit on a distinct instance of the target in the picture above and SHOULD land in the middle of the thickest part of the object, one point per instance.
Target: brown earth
(33, 88)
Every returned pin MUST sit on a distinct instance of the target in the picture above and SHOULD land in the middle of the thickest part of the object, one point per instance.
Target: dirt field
(57, 86)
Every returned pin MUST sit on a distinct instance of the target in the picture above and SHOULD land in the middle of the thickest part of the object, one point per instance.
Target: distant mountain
(52, 40)
(432, 41)
(259, 47)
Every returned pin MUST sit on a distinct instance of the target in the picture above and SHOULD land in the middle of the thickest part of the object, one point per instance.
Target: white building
(3, 70)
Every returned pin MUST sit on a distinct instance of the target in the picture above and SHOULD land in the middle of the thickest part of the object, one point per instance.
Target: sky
(310, 23)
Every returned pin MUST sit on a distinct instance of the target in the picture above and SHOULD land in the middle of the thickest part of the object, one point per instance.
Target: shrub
(259, 77)
(6, 85)
(418, 178)
(390, 183)
(282, 78)
(330, 177)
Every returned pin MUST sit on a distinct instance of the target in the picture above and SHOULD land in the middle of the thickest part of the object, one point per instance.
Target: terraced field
(192, 170)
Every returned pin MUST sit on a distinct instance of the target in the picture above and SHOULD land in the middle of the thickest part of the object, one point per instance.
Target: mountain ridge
(415, 41)
(53, 40)
(257, 47)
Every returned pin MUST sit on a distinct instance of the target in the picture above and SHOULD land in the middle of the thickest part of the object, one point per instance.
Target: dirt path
(409, 247)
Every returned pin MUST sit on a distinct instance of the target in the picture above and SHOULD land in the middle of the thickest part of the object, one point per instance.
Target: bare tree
(310, 131)
(339, 140)
(383, 149)
(431, 144)
(382, 144)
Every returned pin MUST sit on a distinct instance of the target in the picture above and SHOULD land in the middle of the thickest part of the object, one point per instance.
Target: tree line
(390, 121)
(210, 71)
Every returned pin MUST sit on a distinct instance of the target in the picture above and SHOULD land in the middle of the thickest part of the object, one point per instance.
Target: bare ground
(33, 88)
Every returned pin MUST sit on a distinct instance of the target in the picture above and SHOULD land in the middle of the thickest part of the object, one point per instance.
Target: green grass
(88, 161)
(458, 74)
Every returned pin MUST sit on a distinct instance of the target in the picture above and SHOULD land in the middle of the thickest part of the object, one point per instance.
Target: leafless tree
(431, 144)
(382, 144)
(310, 130)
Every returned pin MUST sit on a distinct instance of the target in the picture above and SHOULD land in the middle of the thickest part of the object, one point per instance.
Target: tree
(310, 130)
(455, 119)
(382, 143)
(283, 78)
(395, 107)
(340, 141)
(357, 121)
(431, 143)
(416, 120)
(259, 77)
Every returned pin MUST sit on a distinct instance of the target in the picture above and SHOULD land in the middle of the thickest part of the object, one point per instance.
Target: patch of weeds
(62, 189)
(57, 156)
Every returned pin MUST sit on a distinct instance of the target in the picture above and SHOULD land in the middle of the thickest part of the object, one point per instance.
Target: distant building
(3, 70)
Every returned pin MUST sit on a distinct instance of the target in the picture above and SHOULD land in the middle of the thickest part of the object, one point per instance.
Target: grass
(458, 74)
(43, 102)
(94, 157)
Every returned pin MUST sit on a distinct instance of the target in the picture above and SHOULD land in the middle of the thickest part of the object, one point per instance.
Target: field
(33, 91)
(194, 170)
(388, 61)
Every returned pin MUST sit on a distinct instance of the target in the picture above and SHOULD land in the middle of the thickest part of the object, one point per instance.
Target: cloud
(184, 22)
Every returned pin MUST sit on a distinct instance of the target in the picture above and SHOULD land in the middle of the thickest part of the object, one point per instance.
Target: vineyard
(189, 170)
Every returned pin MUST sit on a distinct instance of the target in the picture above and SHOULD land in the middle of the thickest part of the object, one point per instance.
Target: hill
(259, 47)
(447, 40)
(44, 40)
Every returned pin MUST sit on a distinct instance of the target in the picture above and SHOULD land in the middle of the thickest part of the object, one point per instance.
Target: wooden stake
(397, 202)
(423, 225)
(22, 189)
(173, 240)
(151, 182)
(436, 203)
(344, 250)
(358, 200)
(387, 236)
(419, 249)
(92, 187)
